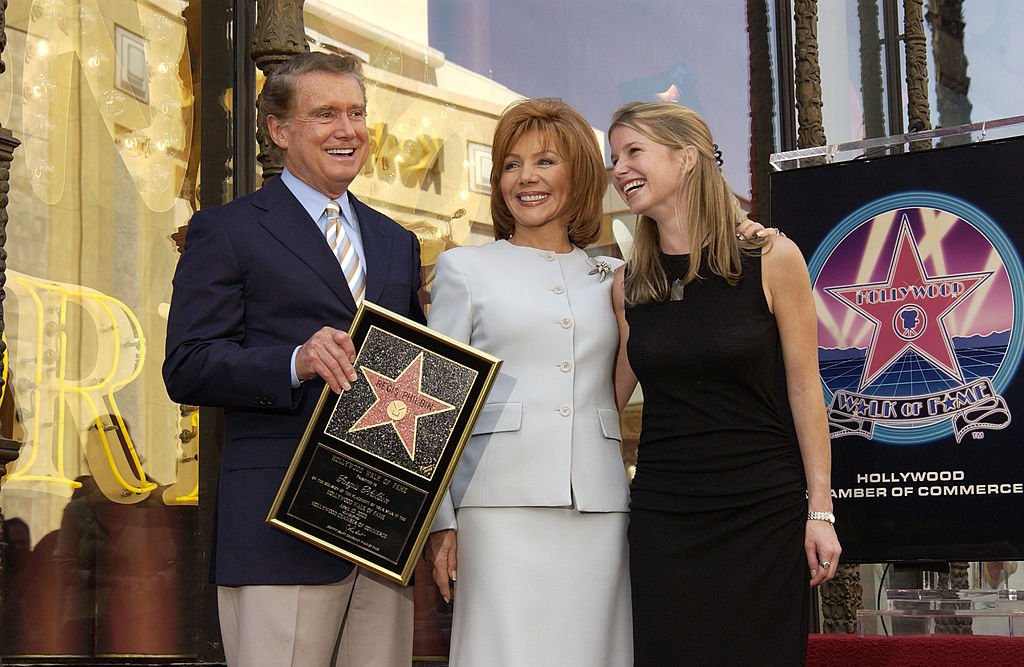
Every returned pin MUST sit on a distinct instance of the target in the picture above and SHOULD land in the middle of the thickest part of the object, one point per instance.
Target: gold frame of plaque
(375, 461)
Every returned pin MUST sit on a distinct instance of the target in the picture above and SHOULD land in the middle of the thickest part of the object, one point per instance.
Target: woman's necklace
(675, 292)
(678, 286)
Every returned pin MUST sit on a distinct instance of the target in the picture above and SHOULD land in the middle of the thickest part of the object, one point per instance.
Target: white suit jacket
(548, 435)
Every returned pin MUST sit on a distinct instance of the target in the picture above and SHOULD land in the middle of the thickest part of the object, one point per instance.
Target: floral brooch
(601, 269)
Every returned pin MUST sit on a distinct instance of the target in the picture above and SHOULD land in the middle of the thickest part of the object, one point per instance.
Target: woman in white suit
(534, 527)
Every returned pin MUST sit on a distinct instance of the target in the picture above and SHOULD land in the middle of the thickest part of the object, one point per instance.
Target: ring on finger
(825, 565)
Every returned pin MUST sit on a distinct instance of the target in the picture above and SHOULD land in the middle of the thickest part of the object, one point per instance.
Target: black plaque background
(339, 518)
(412, 497)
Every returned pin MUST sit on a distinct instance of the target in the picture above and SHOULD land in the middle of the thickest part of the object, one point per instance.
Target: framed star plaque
(375, 461)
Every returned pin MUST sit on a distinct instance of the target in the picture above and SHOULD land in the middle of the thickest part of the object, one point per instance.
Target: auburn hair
(565, 131)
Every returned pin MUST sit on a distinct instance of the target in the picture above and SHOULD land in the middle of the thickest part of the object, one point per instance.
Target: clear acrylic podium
(936, 611)
(880, 146)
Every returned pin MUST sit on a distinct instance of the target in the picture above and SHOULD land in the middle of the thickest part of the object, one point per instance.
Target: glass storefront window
(974, 71)
(978, 74)
(102, 502)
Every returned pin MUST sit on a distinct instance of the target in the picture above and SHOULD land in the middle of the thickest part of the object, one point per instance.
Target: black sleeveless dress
(718, 508)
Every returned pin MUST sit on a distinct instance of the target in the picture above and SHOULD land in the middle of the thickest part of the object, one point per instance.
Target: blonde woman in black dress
(731, 512)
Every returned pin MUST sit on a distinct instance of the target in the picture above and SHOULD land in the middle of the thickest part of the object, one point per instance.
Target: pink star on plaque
(400, 403)
(908, 309)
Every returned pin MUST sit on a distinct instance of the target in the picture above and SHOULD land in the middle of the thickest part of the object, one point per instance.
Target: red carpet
(914, 651)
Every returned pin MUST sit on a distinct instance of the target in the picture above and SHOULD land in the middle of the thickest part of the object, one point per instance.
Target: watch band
(822, 516)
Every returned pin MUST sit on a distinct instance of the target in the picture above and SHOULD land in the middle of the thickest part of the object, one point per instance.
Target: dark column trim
(227, 172)
(786, 74)
(244, 104)
(891, 37)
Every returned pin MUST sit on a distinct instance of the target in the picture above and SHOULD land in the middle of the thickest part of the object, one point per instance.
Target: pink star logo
(400, 403)
(908, 309)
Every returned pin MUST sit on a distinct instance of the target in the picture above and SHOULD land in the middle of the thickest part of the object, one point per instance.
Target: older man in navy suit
(263, 295)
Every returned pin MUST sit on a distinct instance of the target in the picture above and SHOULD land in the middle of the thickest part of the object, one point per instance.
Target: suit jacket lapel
(288, 222)
(377, 242)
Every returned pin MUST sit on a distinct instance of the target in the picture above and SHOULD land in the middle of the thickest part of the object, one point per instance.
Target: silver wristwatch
(822, 516)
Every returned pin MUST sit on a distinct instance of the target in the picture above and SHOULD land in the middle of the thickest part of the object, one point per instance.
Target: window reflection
(974, 66)
(105, 487)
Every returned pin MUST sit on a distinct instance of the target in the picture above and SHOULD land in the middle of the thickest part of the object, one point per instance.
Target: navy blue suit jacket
(257, 279)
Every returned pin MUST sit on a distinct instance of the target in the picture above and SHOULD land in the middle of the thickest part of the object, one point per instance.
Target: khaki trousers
(363, 620)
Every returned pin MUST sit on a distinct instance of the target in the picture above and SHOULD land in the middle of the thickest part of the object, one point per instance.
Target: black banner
(919, 291)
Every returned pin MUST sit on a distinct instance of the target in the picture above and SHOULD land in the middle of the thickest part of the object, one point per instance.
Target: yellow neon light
(105, 382)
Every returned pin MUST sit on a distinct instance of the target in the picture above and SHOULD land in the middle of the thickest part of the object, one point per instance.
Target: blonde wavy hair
(712, 209)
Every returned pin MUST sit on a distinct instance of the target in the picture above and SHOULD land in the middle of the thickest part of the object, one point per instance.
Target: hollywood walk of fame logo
(919, 311)
(400, 403)
(899, 308)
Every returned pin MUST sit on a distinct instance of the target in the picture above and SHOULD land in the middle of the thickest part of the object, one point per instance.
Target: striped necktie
(345, 251)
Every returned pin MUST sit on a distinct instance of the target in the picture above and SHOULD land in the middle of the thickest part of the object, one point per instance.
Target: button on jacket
(548, 435)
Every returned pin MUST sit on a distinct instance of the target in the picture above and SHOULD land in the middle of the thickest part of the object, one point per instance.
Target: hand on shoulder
(781, 254)
(783, 271)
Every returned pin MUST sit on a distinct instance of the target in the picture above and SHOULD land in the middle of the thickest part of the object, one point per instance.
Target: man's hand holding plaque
(377, 456)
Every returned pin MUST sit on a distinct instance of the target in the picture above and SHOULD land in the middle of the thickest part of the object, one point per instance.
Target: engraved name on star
(907, 310)
(400, 402)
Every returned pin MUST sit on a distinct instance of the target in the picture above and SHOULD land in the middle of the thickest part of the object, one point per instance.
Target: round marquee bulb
(159, 179)
(114, 102)
(42, 10)
(40, 125)
(135, 142)
(96, 61)
(161, 30)
(39, 87)
(168, 105)
(40, 50)
(41, 174)
(164, 143)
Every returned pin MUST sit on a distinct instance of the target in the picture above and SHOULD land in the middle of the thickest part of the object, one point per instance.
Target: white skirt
(541, 586)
